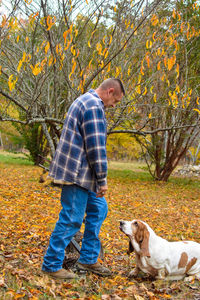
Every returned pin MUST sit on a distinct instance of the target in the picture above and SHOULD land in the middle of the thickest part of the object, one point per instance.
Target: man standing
(80, 165)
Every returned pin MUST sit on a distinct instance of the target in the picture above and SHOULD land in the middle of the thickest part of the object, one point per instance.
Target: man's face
(113, 97)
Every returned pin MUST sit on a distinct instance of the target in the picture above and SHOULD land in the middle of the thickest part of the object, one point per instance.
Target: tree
(54, 53)
(51, 54)
(166, 90)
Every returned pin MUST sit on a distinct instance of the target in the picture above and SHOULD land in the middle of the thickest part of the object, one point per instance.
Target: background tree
(57, 50)
(165, 93)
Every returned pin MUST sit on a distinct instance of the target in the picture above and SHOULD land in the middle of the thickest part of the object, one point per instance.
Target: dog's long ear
(130, 248)
(145, 244)
(142, 237)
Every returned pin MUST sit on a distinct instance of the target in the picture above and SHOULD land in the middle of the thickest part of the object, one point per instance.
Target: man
(80, 165)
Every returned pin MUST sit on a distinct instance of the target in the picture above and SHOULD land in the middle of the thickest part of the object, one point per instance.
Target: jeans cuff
(86, 262)
(52, 270)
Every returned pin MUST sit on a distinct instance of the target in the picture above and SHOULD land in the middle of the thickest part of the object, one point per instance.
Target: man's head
(111, 91)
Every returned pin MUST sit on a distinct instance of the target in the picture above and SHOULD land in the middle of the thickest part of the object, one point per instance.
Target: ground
(29, 210)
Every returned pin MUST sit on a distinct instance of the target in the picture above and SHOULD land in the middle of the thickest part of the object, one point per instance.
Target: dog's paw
(133, 273)
(189, 278)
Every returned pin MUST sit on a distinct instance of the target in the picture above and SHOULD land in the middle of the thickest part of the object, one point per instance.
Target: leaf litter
(29, 211)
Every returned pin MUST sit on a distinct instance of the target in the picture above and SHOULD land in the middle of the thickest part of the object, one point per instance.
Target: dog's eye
(136, 223)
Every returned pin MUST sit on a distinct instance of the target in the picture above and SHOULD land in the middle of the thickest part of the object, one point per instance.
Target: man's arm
(94, 130)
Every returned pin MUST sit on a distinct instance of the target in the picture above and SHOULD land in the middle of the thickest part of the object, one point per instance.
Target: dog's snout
(122, 223)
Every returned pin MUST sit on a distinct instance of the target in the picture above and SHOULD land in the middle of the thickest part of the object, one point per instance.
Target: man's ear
(110, 90)
(130, 248)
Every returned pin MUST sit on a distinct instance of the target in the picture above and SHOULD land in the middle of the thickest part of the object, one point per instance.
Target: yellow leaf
(59, 49)
(90, 63)
(76, 32)
(47, 47)
(65, 34)
(12, 82)
(158, 65)
(108, 70)
(19, 66)
(43, 62)
(147, 60)
(117, 72)
(89, 45)
(68, 44)
(138, 90)
(150, 116)
(73, 68)
(36, 69)
(101, 64)
(197, 101)
(105, 52)
(154, 98)
(24, 56)
(154, 20)
(73, 50)
(182, 26)
(81, 73)
(151, 89)
(139, 78)
(50, 60)
(145, 91)
(4, 21)
(177, 89)
(17, 39)
(147, 44)
(50, 22)
(174, 14)
(170, 62)
(27, 39)
(99, 48)
(78, 52)
(177, 70)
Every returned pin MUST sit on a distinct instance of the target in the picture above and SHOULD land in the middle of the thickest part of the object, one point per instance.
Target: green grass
(138, 172)
(14, 159)
(135, 171)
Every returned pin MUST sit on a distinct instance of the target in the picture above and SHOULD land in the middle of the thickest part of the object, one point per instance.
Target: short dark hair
(121, 86)
(111, 82)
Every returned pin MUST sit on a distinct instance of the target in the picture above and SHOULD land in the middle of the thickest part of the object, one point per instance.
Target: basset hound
(158, 257)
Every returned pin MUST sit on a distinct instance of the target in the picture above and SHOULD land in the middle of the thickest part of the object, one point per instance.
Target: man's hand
(102, 190)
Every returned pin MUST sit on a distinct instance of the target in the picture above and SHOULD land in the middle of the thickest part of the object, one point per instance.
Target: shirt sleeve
(94, 130)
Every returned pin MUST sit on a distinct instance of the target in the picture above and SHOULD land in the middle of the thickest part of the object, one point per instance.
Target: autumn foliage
(30, 209)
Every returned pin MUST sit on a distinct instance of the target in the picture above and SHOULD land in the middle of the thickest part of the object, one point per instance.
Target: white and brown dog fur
(158, 257)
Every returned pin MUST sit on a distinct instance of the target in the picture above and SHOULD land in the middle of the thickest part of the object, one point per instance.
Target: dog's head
(138, 233)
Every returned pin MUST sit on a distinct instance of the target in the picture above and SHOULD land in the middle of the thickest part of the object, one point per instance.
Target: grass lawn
(14, 158)
(29, 210)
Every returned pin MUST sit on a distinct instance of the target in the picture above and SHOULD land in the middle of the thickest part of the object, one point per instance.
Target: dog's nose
(121, 223)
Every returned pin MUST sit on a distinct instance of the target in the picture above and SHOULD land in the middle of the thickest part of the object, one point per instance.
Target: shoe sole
(85, 269)
(56, 277)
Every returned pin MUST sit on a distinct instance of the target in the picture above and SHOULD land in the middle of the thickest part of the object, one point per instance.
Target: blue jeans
(76, 201)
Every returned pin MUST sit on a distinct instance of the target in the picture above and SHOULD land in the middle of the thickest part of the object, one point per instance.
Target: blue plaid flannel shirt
(80, 157)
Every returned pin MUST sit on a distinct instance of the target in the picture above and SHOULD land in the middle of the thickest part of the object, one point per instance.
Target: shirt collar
(92, 91)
